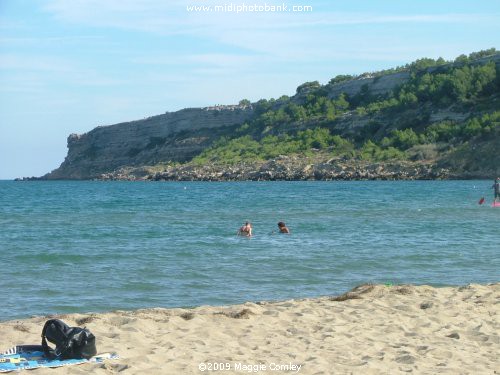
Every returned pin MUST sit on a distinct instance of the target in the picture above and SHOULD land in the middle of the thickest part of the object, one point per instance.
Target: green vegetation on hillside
(442, 87)
(398, 124)
(246, 148)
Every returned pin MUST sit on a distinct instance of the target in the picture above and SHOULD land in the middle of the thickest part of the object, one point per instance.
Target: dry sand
(370, 330)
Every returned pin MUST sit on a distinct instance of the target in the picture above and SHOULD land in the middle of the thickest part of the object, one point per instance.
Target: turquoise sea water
(99, 246)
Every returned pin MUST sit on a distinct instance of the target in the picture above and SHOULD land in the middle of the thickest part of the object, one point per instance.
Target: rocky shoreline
(288, 169)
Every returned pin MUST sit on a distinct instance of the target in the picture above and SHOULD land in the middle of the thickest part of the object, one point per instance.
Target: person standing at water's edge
(496, 187)
(283, 228)
(245, 230)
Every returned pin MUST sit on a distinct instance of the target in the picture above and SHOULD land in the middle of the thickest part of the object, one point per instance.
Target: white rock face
(171, 136)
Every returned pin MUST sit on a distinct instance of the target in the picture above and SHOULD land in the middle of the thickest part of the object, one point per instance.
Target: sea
(94, 246)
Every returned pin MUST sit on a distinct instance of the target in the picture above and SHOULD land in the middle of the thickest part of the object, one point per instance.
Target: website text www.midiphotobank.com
(248, 8)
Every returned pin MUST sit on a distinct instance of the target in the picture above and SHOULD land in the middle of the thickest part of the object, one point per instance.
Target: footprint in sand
(119, 321)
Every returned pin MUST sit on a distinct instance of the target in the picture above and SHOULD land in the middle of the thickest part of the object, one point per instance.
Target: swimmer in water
(282, 228)
(245, 230)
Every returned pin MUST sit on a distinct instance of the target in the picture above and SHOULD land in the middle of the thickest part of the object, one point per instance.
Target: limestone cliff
(178, 136)
(175, 136)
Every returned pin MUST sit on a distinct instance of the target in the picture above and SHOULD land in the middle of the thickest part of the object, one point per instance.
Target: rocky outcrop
(375, 85)
(176, 136)
(289, 168)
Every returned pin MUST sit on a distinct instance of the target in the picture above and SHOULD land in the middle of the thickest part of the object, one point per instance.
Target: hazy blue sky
(67, 66)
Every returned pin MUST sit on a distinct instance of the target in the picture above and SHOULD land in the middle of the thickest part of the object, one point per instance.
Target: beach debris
(187, 315)
(403, 289)
(345, 297)
(85, 319)
(243, 314)
(426, 305)
(454, 335)
(354, 293)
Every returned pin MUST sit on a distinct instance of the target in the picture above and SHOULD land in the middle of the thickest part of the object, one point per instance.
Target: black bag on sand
(70, 342)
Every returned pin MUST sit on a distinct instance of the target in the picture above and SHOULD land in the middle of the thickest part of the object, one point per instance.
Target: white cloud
(337, 19)
(275, 37)
(34, 62)
(145, 15)
(44, 41)
(22, 83)
(171, 17)
(36, 72)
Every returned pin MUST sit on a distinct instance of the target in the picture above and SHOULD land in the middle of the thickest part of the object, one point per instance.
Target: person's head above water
(282, 227)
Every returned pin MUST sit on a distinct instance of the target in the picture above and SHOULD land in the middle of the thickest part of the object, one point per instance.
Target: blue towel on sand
(24, 357)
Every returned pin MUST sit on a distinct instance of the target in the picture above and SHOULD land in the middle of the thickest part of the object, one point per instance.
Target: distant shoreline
(286, 169)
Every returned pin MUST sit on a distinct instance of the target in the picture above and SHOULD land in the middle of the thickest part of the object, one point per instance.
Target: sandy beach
(373, 329)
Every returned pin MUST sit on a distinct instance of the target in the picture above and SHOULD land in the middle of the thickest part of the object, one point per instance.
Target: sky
(67, 66)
